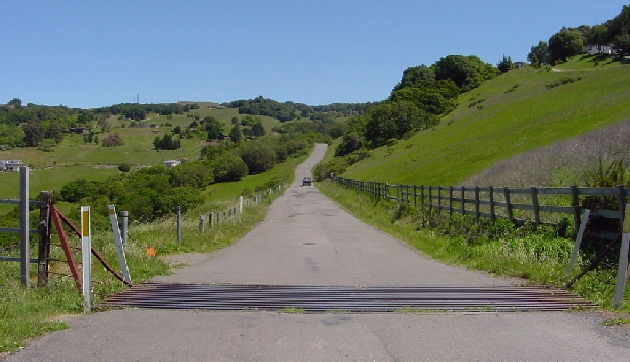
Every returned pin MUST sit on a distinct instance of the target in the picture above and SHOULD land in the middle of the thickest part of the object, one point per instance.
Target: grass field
(514, 113)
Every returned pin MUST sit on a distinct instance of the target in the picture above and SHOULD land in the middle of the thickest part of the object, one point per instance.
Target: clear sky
(92, 53)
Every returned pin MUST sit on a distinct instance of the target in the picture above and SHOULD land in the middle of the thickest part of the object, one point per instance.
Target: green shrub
(124, 167)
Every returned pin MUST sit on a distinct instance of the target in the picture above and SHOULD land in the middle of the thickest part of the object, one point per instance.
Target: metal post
(24, 226)
(202, 221)
(240, 205)
(124, 225)
(211, 219)
(118, 242)
(179, 225)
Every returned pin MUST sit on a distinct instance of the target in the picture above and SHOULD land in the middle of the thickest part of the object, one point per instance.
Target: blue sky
(93, 53)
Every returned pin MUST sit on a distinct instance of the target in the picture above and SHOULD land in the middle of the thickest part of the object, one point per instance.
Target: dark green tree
(191, 174)
(33, 134)
(15, 102)
(213, 127)
(505, 65)
(622, 44)
(619, 25)
(76, 190)
(258, 156)
(416, 77)
(11, 136)
(258, 130)
(596, 35)
(229, 167)
(167, 142)
(468, 72)
(235, 134)
(539, 54)
(124, 167)
(564, 44)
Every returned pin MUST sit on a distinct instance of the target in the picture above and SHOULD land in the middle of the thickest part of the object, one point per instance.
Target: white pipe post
(179, 225)
(122, 261)
(86, 257)
(124, 225)
(240, 207)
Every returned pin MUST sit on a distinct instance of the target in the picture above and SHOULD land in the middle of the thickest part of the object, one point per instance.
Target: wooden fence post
(508, 203)
(493, 216)
(430, 197)
(439, 199)
(536, 206)
(575, 202)
(415, 198)
(422, 196)
(450, 201)
(477, 214)
(621, 199)
(44, 238)
(463, 205)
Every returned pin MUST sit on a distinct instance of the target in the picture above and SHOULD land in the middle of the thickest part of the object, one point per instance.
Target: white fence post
(86, 257)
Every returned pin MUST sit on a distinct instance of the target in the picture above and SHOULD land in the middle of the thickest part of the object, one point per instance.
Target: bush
(77, 190)
(563, 81)
(191, 174)
(259, 157)
(229, 167)
(124, 167)
(112, 140)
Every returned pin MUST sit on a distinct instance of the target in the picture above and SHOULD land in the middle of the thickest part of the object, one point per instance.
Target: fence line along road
(497, 202)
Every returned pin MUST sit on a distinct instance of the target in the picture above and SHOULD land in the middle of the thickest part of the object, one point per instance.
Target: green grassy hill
(511, 114)
(73, 159)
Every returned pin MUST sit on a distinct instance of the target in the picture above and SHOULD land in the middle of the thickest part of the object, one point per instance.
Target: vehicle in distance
(306, 181)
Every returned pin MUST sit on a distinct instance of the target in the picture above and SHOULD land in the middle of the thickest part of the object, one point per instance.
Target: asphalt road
(308, 240)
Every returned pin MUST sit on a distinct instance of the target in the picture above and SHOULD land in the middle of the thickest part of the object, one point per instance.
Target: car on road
(306, 181)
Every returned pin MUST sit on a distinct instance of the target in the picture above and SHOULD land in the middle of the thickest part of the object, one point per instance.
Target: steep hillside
(513, 113)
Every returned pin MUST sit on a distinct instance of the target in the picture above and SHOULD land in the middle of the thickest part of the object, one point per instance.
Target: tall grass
(562, 163)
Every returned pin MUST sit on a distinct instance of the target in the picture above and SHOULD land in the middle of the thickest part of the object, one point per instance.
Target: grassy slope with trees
(513, 113)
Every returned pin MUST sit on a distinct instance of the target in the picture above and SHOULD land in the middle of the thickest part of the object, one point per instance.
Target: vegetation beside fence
(538, 255)
(548, 205)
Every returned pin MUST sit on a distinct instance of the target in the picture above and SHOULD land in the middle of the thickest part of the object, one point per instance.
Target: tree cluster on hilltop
(288, 111)
(30, 125)
(138, 112)
(569, 42)
(416, 102)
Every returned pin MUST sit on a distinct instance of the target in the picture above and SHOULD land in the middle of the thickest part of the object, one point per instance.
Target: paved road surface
(308, 240)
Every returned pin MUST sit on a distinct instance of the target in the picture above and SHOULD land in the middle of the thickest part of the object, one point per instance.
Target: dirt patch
(188, 259)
